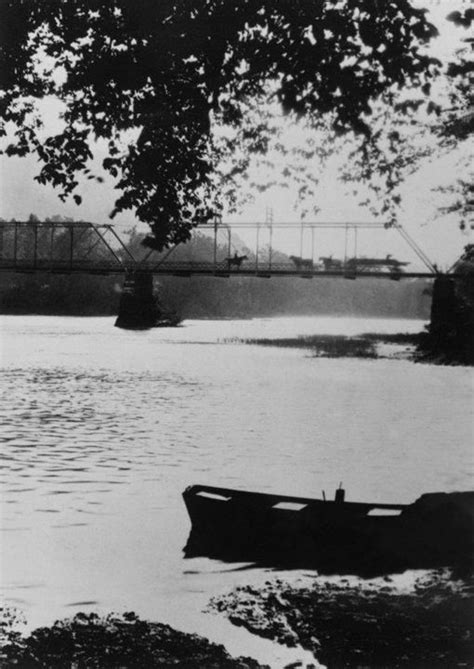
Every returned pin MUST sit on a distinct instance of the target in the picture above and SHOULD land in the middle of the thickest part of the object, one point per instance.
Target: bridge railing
(189, 268)
(70, 247)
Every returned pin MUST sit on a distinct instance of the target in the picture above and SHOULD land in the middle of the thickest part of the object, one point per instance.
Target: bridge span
(84, 247)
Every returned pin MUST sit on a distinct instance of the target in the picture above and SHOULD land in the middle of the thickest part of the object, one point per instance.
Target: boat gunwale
(271, 499)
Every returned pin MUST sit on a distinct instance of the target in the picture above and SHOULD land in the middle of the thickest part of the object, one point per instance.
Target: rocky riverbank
(416, 620)
(124, 641)
(419, 622)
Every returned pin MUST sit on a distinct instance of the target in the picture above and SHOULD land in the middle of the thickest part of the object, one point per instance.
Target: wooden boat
(338, 536)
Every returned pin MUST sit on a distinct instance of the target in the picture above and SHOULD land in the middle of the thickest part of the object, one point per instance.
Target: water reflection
(102, 430)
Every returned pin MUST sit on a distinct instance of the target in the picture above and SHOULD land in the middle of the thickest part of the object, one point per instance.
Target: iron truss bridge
(88, 248)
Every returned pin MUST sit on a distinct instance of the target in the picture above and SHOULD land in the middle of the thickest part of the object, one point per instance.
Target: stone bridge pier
(138, 308)
(451, 330)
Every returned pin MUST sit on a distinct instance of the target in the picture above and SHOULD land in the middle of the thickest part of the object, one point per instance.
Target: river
(102, 429)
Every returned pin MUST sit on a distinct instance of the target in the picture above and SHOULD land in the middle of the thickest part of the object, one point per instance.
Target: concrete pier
(451, 331)
(138, 309)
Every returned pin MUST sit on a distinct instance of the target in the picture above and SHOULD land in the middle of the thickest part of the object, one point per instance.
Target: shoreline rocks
(410, 620)
(348, 623)
(124, 641)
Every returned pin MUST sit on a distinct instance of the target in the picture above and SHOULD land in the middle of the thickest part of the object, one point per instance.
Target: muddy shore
(403, 621)
(419, 622)
(124, 641)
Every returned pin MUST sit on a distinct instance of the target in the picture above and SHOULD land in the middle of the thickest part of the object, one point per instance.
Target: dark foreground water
(102, 430)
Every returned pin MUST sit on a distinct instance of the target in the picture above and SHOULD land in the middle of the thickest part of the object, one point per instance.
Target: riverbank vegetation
(419, 347)
(112, 642)
(340, 346)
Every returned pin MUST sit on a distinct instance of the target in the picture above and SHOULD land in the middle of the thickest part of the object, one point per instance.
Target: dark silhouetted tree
(172, 71)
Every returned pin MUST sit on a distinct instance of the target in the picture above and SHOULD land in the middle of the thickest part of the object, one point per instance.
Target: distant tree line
(208, 297)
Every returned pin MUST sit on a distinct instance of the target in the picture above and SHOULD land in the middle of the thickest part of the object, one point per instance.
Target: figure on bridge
(331, 263)
(302, 263)
(235, 260)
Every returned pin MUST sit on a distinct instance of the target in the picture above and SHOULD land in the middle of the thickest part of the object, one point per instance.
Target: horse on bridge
(235, 260)
(331, 263)
(302, 263)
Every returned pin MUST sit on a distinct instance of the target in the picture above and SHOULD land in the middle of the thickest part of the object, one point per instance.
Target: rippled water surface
(102, 430)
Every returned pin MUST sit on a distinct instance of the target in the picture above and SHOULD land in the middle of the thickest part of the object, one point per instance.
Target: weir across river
(83, 247)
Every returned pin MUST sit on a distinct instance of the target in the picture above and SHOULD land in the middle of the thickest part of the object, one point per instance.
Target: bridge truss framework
(84, 247)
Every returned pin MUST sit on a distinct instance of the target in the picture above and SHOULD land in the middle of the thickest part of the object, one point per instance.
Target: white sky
(441, 240)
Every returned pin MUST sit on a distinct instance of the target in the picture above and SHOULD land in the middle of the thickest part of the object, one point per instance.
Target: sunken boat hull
(332, 536)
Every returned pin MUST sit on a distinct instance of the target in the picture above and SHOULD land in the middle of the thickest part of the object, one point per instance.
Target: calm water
(102, 430)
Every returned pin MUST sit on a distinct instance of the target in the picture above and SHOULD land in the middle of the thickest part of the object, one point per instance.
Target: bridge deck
(186, 269)
(88, 248)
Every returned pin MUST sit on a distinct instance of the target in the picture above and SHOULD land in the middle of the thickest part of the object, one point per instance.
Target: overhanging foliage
(172, 70)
